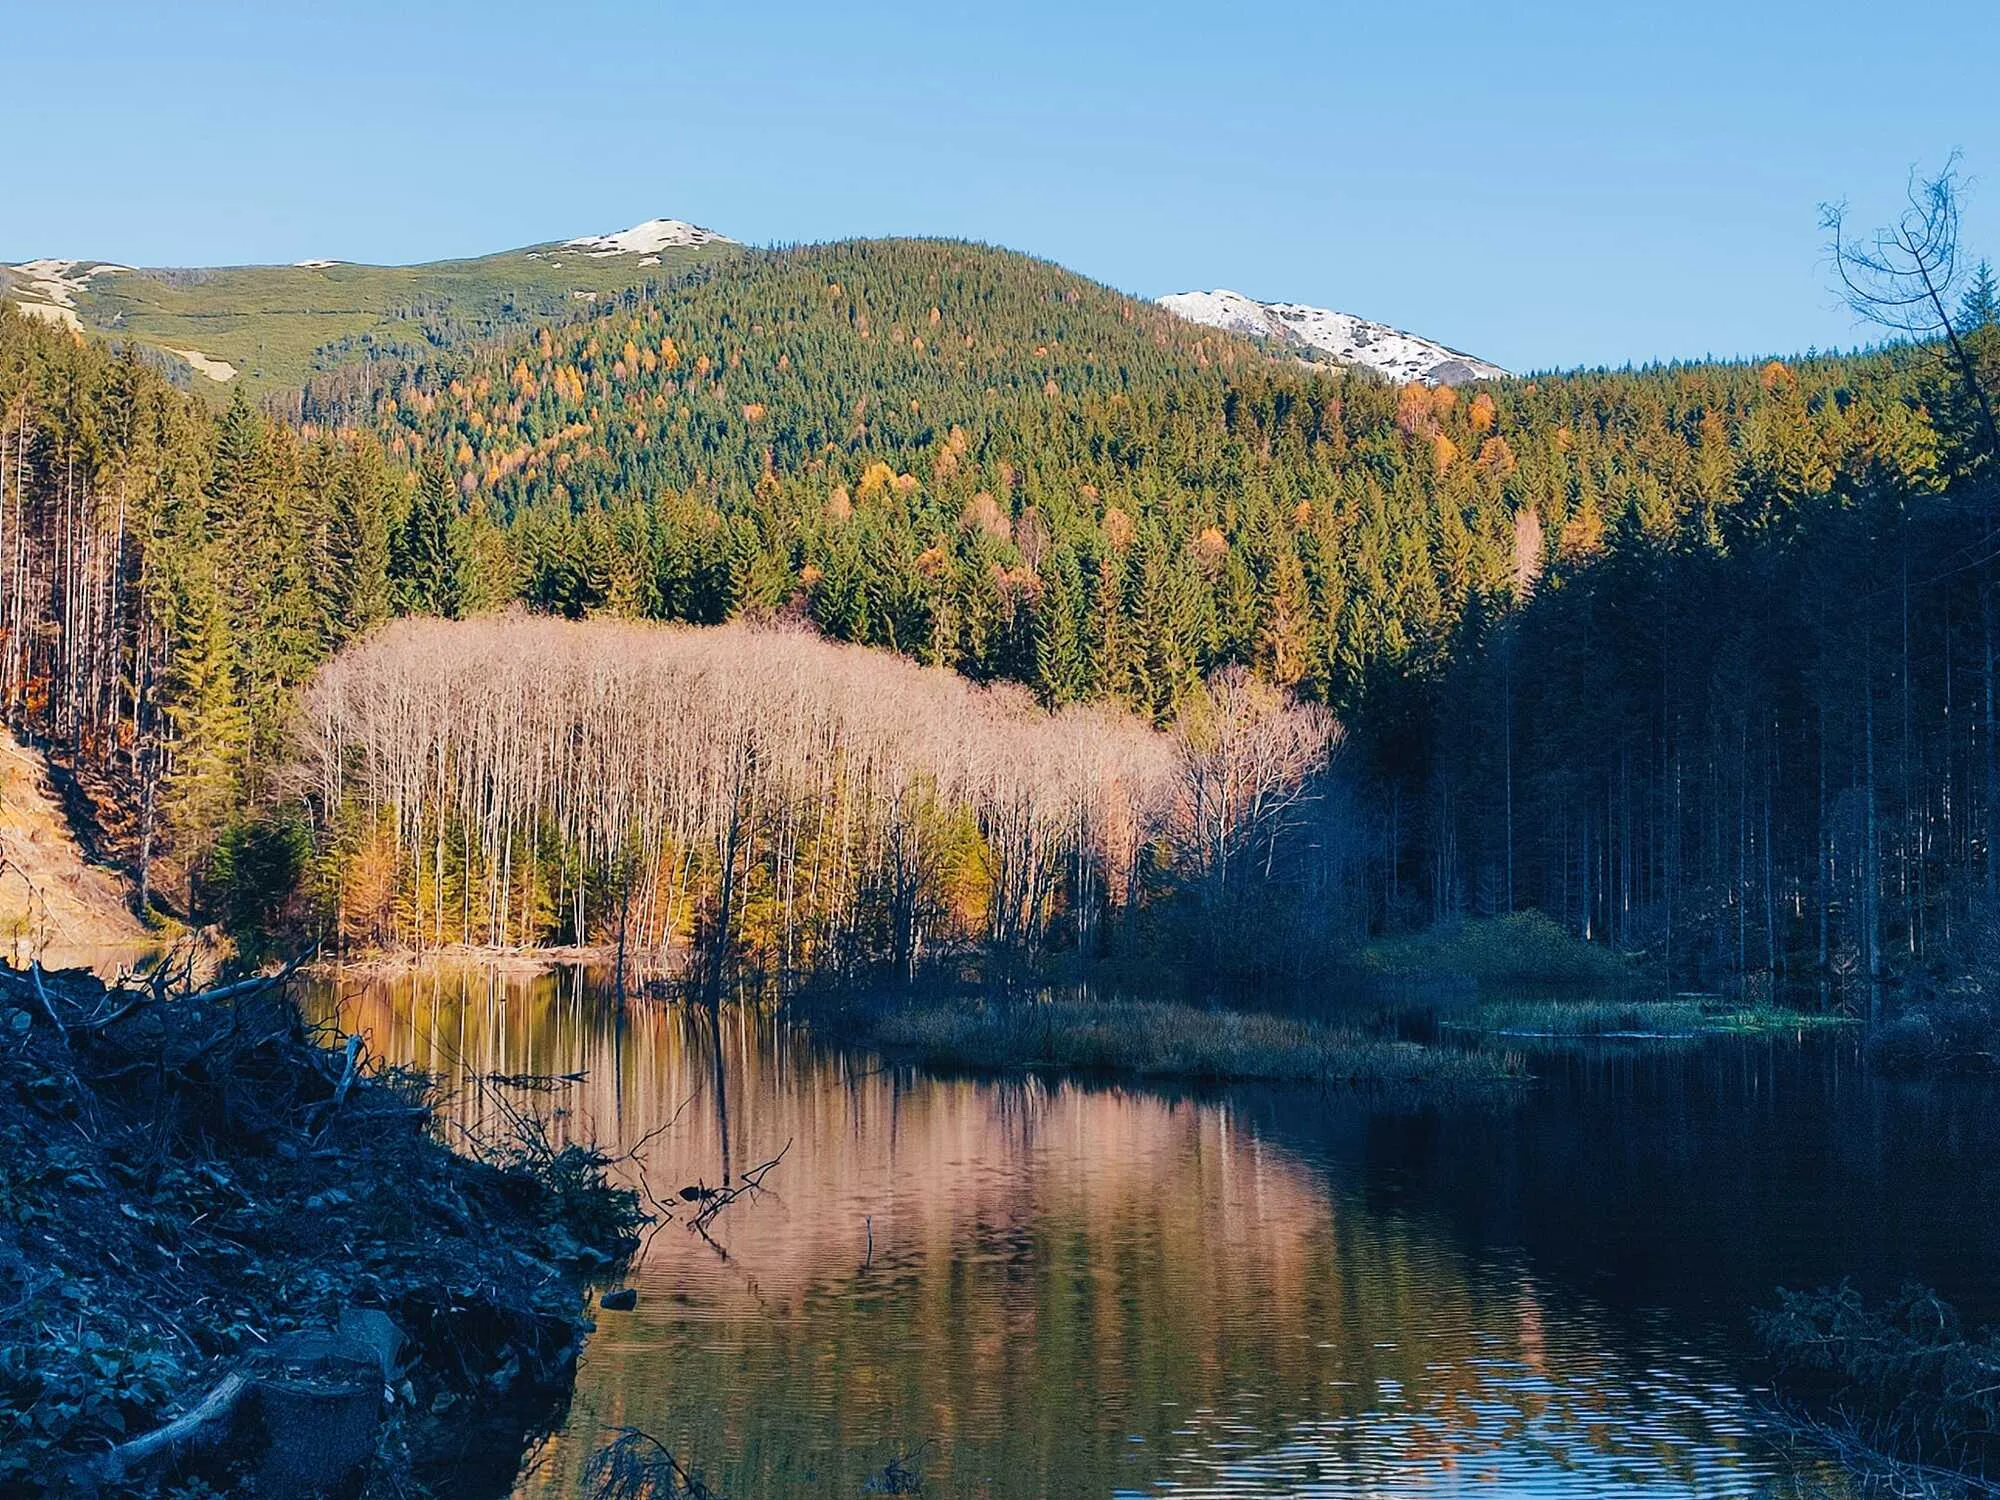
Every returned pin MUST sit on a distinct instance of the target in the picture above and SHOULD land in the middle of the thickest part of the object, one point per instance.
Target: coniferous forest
(654, 863)
(1697, 660)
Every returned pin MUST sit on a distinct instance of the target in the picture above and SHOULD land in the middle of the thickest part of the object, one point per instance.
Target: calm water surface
(1053, 1289)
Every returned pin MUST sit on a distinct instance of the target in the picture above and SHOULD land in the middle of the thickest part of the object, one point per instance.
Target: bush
(1525, 948)
(1940, 1037)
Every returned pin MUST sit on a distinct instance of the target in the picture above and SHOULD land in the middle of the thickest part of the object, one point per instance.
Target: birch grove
(736, 801)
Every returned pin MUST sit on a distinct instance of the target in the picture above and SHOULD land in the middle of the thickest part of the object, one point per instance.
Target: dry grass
(1172, 1041)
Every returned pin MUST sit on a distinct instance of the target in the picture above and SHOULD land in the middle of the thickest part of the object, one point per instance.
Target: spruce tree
(358, 547)
(428, 566)
(1980, 307)
(1061, 672)
(208, 728)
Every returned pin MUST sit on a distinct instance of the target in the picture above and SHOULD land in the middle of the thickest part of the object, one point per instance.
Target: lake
(1026, 1288)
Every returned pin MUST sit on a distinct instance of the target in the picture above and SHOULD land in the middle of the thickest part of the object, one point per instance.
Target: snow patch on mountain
(1350, 340)
(218, 370)
(649, 238)
(47, 288)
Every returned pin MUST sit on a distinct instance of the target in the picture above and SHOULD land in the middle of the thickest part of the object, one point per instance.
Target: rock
(376, 1330)
(624, 1299)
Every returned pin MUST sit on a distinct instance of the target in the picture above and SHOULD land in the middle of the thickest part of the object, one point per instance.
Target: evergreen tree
(208, 728)
(1980, 307)
(357, 580)
(428, 565)
(1061, 671)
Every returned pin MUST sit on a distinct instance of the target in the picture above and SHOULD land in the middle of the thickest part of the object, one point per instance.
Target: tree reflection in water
(1053, 1288)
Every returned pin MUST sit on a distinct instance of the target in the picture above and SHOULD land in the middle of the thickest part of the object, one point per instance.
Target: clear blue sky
(1542, 184)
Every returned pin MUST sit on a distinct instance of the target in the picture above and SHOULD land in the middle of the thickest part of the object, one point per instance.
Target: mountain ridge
(1344, 337)
(274, 328)
(271, 328)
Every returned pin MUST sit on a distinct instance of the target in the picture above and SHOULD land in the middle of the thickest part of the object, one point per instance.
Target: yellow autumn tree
(1444, 451)
(875, 481)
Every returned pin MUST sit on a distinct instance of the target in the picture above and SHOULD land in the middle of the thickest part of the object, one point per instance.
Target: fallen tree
(1900, 1389)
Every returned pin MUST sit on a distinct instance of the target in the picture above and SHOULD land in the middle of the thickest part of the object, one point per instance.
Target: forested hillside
(170, 579)
(981, 460)
(268, 330)
(1698, 659)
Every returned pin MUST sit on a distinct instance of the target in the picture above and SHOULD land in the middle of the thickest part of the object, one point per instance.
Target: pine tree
(428, 566)
(1980, 307)
(1061, 672)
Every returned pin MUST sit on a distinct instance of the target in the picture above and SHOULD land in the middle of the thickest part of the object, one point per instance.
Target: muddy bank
(232, 1251)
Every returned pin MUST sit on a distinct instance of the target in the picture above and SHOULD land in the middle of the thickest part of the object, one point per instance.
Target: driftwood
(324, 1116)
(305, 1410)
(139, 996)
(714, 1200)
(42, 995)
(451, 1256)
(207, 1425)
(541, 1083)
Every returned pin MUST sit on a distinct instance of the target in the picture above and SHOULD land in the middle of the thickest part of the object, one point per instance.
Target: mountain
(1347, 339)
(273, 328)
(649, 238)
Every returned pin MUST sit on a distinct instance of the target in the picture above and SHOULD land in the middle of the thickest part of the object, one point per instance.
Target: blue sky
(1542, 184)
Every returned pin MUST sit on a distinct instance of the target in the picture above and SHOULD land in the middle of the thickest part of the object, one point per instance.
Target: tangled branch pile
(189, 1177)
(1902, 1388)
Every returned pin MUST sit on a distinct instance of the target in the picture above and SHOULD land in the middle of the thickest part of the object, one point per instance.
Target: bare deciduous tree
(759, 796)
(1907, 276)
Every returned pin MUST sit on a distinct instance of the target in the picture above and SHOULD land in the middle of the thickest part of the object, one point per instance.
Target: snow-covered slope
(48, 288)
(1346, 338)
(649, 238)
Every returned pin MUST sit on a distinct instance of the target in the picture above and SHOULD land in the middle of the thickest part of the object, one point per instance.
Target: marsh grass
(1154, 1040)
(1615, 1017)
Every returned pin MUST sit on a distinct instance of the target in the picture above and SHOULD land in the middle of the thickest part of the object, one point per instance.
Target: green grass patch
(1155, 1040)
(280, 325)
(1526, 948)
(1612, 1017)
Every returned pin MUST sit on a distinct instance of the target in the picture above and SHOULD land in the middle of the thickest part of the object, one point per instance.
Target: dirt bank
(53, 901)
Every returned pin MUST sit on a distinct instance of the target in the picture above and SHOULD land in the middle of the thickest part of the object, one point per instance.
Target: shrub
(1525, 948)
(1940, 1036)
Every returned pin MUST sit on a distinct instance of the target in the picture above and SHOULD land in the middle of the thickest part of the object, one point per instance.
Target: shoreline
(465, 955)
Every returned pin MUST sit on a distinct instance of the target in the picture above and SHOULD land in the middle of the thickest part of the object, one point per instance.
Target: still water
(1025, 1288)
